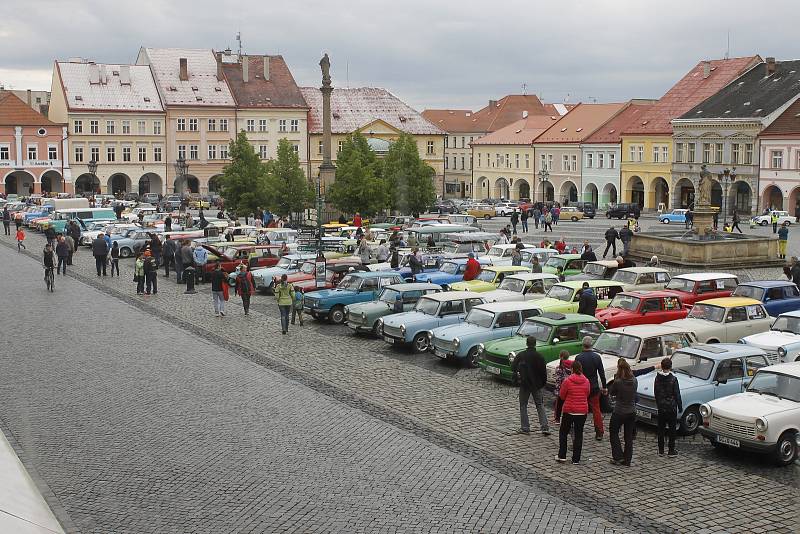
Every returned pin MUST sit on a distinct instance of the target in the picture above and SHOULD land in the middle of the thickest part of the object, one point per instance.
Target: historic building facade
(779, 168)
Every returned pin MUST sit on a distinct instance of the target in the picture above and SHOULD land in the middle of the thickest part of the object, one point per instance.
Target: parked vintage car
(701, 286)
(675, 216)
(704, 373)
(264, 278)
(642, 278)
(596, 270)
(354, 287)
(501, 209)
(334, 273)
(571, 264)
(141, 209)
(450, 272)
(725, 320)
(482, 211)
(563, 297)
(431, 311)
(307, 270)
(92, 230)
(778, 296)
(365, 316)
(130, 242)
(500, 254)
(553, 332)
(231, 255)
(488, 279)
(765, 418)
(641, 307)
(570, 212)
(766, 219)
(782, 341)
(394, 222)
(522, 286)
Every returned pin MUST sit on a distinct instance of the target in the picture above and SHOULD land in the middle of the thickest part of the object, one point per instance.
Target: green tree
(244, 184)
(408, 178)
(358, 186)
(290, 190)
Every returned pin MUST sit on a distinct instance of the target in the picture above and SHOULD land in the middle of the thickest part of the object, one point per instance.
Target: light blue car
(430, 312)
(483, 323)
(676, 216)
(264, 279)
(354, 287)
(704, 373)
(450, 272)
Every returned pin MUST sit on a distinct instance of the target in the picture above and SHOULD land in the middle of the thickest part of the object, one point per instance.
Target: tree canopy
(290, 190)
(408, 178)
(359, 186)
(244, 184)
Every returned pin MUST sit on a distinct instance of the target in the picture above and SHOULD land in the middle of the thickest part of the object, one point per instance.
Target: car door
(650, 351)
(758, 320)
(736, 324)
(648, 308)
(452, 312)
(753, 364)
(506, 324)
(567, 336)
(369, 288)
(728, 377)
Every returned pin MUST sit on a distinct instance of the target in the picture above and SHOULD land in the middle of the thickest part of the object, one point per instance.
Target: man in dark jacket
(587, 303)
(168, 223)
(514, 221)
(625, 235)
(667, 393)
(100, 253)
(611, 241)
(593, 370)
(6, 221)
(50, 235)
(414, 262)
(531, 371)
(179, 260)
(155, 248)
(62, 252)
(169, 254)
(74, 231)
(187, 260)
(588, 254)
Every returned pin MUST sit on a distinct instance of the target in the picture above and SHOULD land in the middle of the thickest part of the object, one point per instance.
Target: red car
(306, 271)
(231, 255)
(333, 276)
(642, 307)
(693, 287)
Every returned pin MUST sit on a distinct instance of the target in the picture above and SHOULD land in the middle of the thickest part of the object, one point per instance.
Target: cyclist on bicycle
(48, 259)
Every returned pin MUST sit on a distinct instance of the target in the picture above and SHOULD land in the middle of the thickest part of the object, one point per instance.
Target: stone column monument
(703, 215)
(327, 171)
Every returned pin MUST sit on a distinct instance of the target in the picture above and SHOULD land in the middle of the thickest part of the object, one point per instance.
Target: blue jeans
(285, 310)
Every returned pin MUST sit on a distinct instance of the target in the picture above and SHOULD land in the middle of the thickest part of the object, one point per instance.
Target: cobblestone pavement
(473, 416)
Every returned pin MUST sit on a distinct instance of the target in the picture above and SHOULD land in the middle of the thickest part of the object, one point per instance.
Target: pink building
(779, 173)
(30, 149)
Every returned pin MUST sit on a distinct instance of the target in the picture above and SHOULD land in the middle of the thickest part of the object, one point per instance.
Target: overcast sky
(430, 53)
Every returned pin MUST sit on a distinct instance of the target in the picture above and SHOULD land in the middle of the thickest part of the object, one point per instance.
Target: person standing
(114, 258)
(611, 237)
(689, 219)
(62, 253)
(155, 248)
(49, 235)
(548, 220)
(218, 280)
(587, 302)
(472, 269)
(138, 274)
(793, 271)
(357, 220)
(363, 251)
(562, 372)
(168, 223)
(523, 218)
(667, 393)
(574, 392)
(783, 238)
(592, 366)
(625, 235)
(245, 286)
(200, 258)
(21, 240)
(179, 261)
(150, 273)
(774, 218)
(531, 371)
(514, 221)
(382, 254)
(297, 305)
(516, 255)
(283, 294)
(536, 267)
(588, 253)
(169, 254)
(415, 262)
(100, 253)
(71, 244)
(537, 214)
(6, 221)
(75, 231)
(623, 389)
(556, 212)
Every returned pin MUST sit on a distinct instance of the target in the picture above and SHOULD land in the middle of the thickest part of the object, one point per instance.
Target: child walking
(20, 239)
(297, 305)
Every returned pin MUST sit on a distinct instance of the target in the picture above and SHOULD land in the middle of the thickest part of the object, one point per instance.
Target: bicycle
(49, 279)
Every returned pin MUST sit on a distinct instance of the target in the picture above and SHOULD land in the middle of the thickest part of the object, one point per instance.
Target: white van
(66, 203)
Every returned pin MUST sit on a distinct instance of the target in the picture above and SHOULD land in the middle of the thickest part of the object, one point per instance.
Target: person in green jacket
(284, 294)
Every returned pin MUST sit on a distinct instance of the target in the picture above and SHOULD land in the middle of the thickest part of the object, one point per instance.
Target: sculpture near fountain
(703, 214)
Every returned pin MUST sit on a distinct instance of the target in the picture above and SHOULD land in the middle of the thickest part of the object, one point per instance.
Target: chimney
(266, 67)
(29, 97)
(770, 65)
(125, 74)
(94, 73)
(525, 114)
(184, 70)
(103, 75)
(706, 69)
(245, 69)
(220, 75)
(492, 103)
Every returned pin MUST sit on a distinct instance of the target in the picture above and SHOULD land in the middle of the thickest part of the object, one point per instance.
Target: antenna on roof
(347, 73)
(524, 88)
(728, 48)
(239, 39)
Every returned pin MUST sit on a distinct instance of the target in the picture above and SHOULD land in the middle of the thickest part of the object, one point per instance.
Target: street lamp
(726, 178)
(544, 176)
(93, 171)
(181, 169)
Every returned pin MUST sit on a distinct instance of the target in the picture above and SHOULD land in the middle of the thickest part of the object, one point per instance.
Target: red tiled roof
(611, 131)
(690, 90)
(280, 91)
(788, 123)
(581, 122)
(507, 110)
(453, 120)
(522, 132)
(15, 112)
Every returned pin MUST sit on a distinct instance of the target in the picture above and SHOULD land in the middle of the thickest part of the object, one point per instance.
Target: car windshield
(427, 306)
(625, 302)
(692, 365)
(750, 292)
(621, 345)
(535, 329)
(449, 268)
(514, 285)
(787, 324)
(707, 312)
(389, 295)
(499, 251)
(625, 277)
(527, 257)
(479, 317)
(350, 282)
(308, 267)
(561, 293)
(595, 269)
(555, 263)
(486, 276)
(776, 384)
(681, 284)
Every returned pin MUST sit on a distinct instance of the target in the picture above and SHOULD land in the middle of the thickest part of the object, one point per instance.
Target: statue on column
(325, 65)
(704, 186)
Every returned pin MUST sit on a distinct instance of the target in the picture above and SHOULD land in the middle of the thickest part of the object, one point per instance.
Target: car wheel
(763, 223)
(574, 219)
(787, 223)
(591, 217)
(472, 358)
(690, 421)
(336, 316)
(712, 341)
(375, 331)
(608, 215)
(786, 448)
(487, 217)
(125, 252)
(665, 221)
(420, 342)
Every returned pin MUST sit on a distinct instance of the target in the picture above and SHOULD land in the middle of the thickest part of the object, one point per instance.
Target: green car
(564, 297)
(363, 316)
(570, 263)
(554, 332)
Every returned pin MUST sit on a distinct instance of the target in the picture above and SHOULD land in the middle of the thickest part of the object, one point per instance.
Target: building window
(126, 153)
(296, 148)
(212, 125)
(463, 161)
(251, 125)
(612, 160)
(573, 162)
(223, 151)
(589, 160)
(690, 149)
(262, 125)
(77, 127)
(549, 162)
(497, 160)
(110, 127)
(141, 127)
(706, 152)
(142, 154)
(294, 125)
(95, 152)
(543, 162)
(126, 127)
(212, 151)
(748, 153)
(262, 151)
(340, 147)
(640, 153)
(665, 154)
(718, 153)
(734, 153)
(52, 152)
(678, 152)
(454, 162)
(94, 127)
(429, 150)
(776, 157)
(5, 153)
(601, 160)
(282, 125)
(508, 161)
(192, 125)
(33, 152)
(446, 142)
(111, 154)
(193, 152)
(632, 153)
(516, 161)
(656, 154)
(181, 151)
(798, 160)
(527, 161)
(565, 162)
(78, 154)
(223, 125)
(156, 153)
(156, 127)
(446, 165)
(319, 148)
(180, 125)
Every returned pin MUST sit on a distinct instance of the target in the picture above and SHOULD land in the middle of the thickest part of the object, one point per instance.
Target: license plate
(493, 370)
(440, 353)
(388, 339)
(352, 326)
(728, 441)
(643, 414)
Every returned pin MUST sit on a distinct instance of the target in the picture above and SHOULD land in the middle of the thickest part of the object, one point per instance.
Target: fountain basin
(723, 250)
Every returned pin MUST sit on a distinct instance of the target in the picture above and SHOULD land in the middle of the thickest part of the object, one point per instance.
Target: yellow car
(563, 297)
(570, 212)
(197, 202)
(489, 278)
(482, 211)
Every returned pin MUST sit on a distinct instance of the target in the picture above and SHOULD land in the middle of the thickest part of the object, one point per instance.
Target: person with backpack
(667, 393)
(531, 373)
(114, 258)
(245, 286)
(548, 220)
(587, 302)
(297, 305)
(574, 392)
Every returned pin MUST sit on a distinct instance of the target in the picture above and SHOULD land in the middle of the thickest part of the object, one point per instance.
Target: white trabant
(642, 278)
(782, 341)
(521, 287)
(725, 320)
(765, 418)
(766, 219)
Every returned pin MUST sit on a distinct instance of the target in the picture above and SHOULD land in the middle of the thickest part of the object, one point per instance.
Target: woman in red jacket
(575, 394)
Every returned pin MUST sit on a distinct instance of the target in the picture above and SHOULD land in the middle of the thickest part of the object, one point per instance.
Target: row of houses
(738, 117)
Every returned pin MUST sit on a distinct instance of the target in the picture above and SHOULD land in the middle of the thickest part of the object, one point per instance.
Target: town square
(264, 276)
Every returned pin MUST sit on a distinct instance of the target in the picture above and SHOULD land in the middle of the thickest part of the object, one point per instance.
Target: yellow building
(378, 115)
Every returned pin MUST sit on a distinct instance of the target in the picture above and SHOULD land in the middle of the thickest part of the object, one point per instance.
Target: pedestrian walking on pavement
(514, 221)
(592, 368)
(574, 392)
(114, 258)
(531, 373)
(100, 253)
(218, 282)
(611, 237)
(735, 222)
(245, 286)
(297, 305)
(689, 219)
(623, 389)
(150, 273)
(548, 221)
(20, 240)
(72, 246)
(523, 218)
(62, 253)
(138, 274)
(537, 214)
(169, 254)
(284, 296)
(783, 239)
(6, 221)
(667, 393)
(625, 235)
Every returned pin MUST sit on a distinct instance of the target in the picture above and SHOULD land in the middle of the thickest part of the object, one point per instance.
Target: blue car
(430, 264)
(450, 272)
(431, 311)
(676, 216)
(43, 211)
(778, 296)
(704, 373)
(483, 323)
(355, 287)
